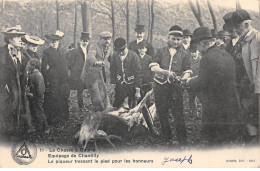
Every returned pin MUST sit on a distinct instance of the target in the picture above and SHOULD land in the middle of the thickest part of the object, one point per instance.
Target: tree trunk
(86, 17)
(137, 11)
(57, 13)
(238, 6)
(152, 22)
(75, 23)
(149, 21)
(127, 21)
(113, 20)
(213, 17)
(195, 13)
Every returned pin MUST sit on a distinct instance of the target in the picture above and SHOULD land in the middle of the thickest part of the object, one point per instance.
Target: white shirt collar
(142, 55)
(84, 51)
(139, 40)
(186, 46)
(123, 57)
(172, 51)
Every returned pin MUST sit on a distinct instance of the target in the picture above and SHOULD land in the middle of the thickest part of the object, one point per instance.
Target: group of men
(222, 71)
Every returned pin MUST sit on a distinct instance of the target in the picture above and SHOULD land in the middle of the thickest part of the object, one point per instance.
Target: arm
(113, 69)
(150, 49)
(186, 67)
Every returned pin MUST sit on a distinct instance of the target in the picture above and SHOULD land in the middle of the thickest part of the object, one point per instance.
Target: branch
(102, 12)
(121, 8)
(196, 14)
(198, 6)
(212, 16)
(104, 6)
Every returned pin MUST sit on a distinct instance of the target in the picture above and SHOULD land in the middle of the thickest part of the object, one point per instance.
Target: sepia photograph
(129, 83)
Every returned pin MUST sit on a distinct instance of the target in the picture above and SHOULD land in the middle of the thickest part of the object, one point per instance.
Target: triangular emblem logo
(23, 152)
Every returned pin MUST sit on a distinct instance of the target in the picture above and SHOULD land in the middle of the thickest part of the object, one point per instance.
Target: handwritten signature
(178, 159)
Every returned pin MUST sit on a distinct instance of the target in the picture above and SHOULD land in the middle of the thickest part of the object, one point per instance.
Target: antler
(142, 103)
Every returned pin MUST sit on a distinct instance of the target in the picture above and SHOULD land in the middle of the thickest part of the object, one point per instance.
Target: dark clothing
(37, 88)
(169, 95)
(10, 91)
(127, 76)
(134, 47)
(217, 83)
(180, 62)
(128, 71)
(147, 75)
(55, 75)
(76, 59)
(32, 54)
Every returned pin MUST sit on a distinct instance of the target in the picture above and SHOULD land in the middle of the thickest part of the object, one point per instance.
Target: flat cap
(176, 30)
(105, 34)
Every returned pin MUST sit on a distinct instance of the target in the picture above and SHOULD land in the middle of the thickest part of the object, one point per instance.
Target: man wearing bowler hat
(96, 69)
(10, 87)
(55, 75)
(186, 38)
(75, 63)
(169, 64)
(217, 82)
(140, 32)
(247, 60)
(125, 73)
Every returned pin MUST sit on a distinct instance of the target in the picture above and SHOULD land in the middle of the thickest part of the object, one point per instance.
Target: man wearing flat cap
(140, 33)
(248, 68)
(125, 73)
(171, 64)
(76, 60)
(96, 67)
(216, 81)
(10, 87)
(55, 75)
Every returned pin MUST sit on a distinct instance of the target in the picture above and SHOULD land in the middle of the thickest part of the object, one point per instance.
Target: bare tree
(152, 22)
(238, 6)
(213, 16)
(137, 11)
(75, 22)
(197, 13)
(57, 13)
(149, 20)
(127, 21)
(113, 19)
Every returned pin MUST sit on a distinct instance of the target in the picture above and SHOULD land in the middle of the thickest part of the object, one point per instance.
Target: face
(55, 44)
(123, 53)
(203, 45)
(139, 36)
(195, 54)
(84, 43)
(16, 41)
(33, 48)
(174, 41)
(105, 41)
(241, 28)
(186, 40)
(142, 51)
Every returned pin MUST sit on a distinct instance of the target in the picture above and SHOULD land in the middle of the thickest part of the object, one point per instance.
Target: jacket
(147, 75)
(128, 71)
(180, 63)
(250, 55)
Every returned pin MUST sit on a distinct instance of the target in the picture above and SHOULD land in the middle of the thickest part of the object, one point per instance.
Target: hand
(99, 63)
(137, 94)
(188, 81)
(171, 74)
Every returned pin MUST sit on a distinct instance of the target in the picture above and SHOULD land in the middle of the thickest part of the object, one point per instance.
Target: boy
(37, 88)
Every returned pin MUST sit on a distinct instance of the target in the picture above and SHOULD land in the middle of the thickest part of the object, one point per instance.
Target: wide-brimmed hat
(187, 32)
(85, 36)
(120, 44)
(176, 31)
(33, 40)
(105, 34)
(14, 32)
(139, 28)
(239, 16)
(201, 33)
(58, 35)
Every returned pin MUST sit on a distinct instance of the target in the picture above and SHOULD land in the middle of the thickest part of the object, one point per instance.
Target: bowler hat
(84, 36)
(58, 35)
(34, 40)
(228, 21)
(139, 28)
(120, 44)
(239, 16)
(105, 34)
(201, 33)
(187, 32)
(13, 32)
(176, 30)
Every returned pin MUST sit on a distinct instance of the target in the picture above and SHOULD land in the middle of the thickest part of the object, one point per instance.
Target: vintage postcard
(129, 84)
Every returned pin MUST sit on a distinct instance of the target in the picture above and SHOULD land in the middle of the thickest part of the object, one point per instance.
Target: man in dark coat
(10, 88)
(76, 60)
(140, 32)
(55, 75)
(169, 64)
(125, 73)
(217, 82)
